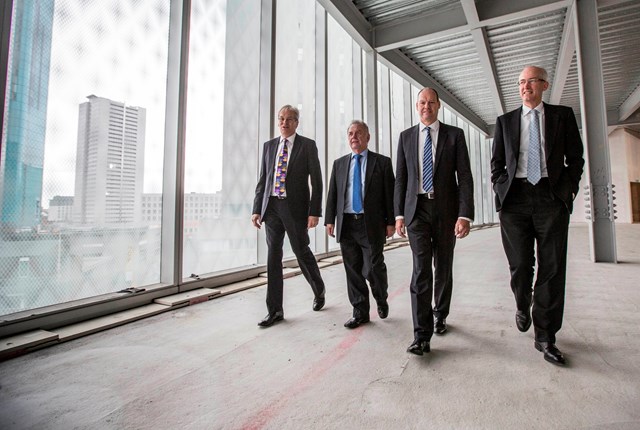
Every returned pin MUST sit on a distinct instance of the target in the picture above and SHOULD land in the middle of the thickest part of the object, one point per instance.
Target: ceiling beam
(351, 20)
(421, 29)
(492, 12)
(401, 64)
(481, 42)
(565, 56)
(630, 105)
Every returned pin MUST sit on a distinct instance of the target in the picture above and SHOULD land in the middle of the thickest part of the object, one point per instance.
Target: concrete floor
(209, 366)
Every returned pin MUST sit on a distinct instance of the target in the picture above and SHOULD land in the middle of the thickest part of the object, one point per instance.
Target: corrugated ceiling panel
(453, 62)
(620, 50)
(517, 44)
(378, 12)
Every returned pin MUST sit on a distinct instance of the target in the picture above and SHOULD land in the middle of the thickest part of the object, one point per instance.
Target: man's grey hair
(360, 124)
(291, 109)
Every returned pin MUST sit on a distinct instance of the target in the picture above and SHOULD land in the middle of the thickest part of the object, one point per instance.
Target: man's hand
(462, 229)
(390, 230)
(256, 221)
(330, 230)
(312, 222)
(400, 229)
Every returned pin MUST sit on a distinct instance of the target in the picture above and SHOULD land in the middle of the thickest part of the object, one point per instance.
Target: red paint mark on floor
(262, 417)
(266, 414)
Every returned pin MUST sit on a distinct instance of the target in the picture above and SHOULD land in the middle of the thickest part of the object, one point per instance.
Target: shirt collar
(363, 154)
(290, 139)
(527, 109)
(435, 126)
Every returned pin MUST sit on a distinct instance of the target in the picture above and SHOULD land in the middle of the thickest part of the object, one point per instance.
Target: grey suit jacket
(563, 153)
(378, 195)
(303, 166)
(452, 178)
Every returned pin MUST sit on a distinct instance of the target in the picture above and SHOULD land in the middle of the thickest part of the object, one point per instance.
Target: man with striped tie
(433, 203)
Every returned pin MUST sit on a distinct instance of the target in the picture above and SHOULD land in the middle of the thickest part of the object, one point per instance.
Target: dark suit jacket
(563, 150)
(378, 195)
(303, 165)
(452, 179)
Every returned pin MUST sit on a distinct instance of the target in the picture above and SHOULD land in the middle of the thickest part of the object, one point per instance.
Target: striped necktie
(427, 163)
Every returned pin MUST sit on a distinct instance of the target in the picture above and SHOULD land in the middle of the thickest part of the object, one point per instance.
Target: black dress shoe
(418, 347)
(356, 322)
(383, 310)
(440, 326)
(523, 320)
(271, 319)
(551, 353)
(318, 303)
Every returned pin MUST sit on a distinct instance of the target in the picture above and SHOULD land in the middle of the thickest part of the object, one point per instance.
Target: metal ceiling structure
(473, 51)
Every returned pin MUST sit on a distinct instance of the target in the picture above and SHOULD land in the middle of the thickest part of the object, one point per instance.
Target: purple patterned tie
(281, 172)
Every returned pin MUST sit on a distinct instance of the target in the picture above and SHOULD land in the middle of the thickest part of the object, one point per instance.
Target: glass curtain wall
(81, 168)
(340, 96)
(221, 136)
(82, 149)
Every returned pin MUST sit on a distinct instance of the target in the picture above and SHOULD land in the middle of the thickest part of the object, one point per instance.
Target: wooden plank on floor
(242, 285)
(324, 263)
(336, 259)
(287, 272)
(189, 297)
(20, 343)
(109, 321)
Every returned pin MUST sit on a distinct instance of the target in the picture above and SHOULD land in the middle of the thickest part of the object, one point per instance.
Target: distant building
(197, 207)
(109, 163)
(22, 158)
(61, 209)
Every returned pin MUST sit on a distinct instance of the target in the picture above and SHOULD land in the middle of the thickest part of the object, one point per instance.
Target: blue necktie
(356, 200)
(533, 162)
(427, 163)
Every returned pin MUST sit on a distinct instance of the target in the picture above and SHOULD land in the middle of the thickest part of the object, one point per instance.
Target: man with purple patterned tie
(433, 203)
(536, 167)
(285, 204)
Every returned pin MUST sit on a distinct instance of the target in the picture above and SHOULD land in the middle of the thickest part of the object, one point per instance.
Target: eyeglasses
(530, 80)
(287, 120)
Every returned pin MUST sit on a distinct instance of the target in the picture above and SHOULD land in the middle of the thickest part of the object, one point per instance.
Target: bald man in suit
(285, 204)
(361, 219)
(536, 165)
(433, 203)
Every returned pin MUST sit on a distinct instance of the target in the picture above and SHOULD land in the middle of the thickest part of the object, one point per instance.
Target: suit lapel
(343, 174)
(514, 124)
(371, 165)
(551, 120)
(297, 148)
(412, 150)
(442, 141)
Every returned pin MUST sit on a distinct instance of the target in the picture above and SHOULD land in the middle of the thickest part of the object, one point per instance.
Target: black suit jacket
(563, 153)
(303, 165)
(378, 195)
(452, 178)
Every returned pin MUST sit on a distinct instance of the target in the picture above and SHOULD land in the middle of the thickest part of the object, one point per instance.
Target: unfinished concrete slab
(210, 367)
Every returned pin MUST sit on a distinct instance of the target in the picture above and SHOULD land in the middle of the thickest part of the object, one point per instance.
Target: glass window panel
(295, 75)
(384, 107)
(82, 149)
(222, 144)
(398, 111)
(340, 95)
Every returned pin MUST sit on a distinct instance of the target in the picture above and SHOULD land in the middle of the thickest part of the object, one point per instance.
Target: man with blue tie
(433, 202)
(536, 167)
(360, 216)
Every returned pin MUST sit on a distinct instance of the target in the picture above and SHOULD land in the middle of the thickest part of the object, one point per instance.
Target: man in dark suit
(285, 204)
(536, 167)
(433, 202)
(360, 216)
